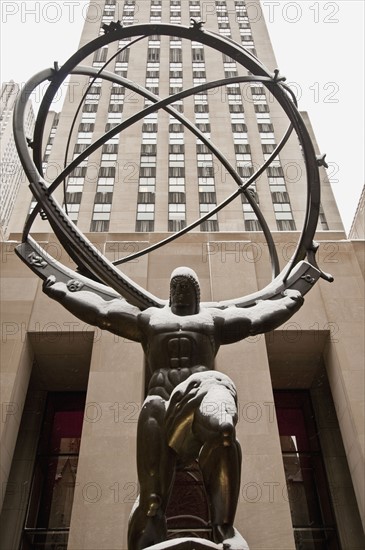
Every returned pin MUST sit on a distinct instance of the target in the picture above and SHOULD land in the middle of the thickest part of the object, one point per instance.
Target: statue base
(186, 543)
(190, 543)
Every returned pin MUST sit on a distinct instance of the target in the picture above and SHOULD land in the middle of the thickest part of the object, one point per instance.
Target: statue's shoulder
(153, 314)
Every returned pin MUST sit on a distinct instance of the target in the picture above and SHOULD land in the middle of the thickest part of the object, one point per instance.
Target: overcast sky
(319, 47)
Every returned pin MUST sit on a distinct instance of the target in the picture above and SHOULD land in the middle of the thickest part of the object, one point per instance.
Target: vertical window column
(175, 12)
(76, 181)
(176, 167)
(279, 195)
(244, 26)
(205, 167)
(222, 18)
(177, 197)
(242, 148)
(145, 217)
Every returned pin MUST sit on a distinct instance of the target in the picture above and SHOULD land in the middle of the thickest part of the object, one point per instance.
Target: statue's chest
(166, 322)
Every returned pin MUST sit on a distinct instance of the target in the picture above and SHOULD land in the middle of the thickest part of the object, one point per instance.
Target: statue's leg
(220, 463)
(220, 458)
(155, 466)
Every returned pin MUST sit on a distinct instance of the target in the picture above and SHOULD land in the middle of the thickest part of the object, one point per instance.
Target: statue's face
(183, 296)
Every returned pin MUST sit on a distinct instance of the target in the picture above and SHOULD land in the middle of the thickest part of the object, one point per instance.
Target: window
(239, 128)
(103, 198)
(207, 207)
(268, 139)
(144, 226)
(84, 138)
(113, 140)
(176, 211)
(248, 210)
(252, 225)
(110, 148)
(322, 219)
(147, 171)
(175, 55)
(237, 118)
(206, 184)
(94, 89)
(107, 172)
(88, 117)
(283, 211)
(73, 187)
(114, 118)
(307, 487)
(73, 210)
(205, 159)
(286, 225)
(145, 197)
(176, 160)
(79, 172)
(153, 54)
(145, 211)
(197, 54)
(99, 226)
(209, 225)
(105, 185)
(203, 127)
(108, 160)
(176, 171)
(148, 160)
(50, 504)
(259, 99)
(263, 117)
(207, 197)
(90, 108)
(176, 138)
(275, 172)
(102, 210)
(205, 171)
(177, 198)
(101, 55)
(73, 197)
(147, 184)
(265, 128)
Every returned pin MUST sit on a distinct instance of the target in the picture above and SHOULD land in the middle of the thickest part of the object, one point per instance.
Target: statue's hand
(54, 289)
(295, 298)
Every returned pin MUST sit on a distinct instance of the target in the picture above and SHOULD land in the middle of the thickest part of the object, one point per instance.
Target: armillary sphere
(94, 271)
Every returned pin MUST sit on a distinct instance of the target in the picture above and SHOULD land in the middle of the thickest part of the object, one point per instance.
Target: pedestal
(186, 544)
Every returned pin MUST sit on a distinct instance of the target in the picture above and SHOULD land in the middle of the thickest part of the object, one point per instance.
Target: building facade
(357, 230)
(12, 175)
(72, 394)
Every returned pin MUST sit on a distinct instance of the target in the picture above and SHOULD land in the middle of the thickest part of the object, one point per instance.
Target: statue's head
(184, 291)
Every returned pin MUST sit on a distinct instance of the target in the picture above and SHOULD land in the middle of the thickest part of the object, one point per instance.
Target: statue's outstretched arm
(266, 315)
(116, 316)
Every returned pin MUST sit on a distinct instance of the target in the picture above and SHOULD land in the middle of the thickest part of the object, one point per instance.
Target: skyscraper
(124, 188)
(11, 170)
(73, 481)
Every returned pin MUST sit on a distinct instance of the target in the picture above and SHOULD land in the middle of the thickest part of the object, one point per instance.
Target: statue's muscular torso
(176, 346)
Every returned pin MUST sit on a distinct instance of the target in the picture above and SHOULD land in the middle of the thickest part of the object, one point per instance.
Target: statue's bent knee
(227, 434)
(153, 405)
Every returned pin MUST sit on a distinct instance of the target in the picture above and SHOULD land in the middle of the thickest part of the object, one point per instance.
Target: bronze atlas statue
(182, 336)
